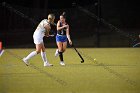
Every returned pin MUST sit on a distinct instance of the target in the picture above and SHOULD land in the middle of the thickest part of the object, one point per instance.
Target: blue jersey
(61, 35)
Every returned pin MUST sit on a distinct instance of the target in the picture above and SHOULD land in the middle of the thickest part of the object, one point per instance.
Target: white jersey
(41, 27)
(40, 31)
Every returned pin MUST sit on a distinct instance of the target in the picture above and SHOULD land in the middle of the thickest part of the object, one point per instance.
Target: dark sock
(61, 56)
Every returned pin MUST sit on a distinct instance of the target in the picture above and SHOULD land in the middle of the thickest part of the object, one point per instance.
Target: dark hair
(63, 14)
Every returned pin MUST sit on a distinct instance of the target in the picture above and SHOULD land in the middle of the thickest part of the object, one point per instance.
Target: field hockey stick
(82, 60)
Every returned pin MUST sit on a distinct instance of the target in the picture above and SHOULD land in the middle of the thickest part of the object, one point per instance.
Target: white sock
(31, 55)
(44, 58)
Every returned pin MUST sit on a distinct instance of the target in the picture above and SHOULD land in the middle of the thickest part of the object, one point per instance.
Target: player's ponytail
(64, 14)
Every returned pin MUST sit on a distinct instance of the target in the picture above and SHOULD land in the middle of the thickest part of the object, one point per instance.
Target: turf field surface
(117, 70)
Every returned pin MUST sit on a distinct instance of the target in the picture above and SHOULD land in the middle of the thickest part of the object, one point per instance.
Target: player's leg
(60, 51)
(64, 41)
(43, 55)
(57, 40)
(64, 46)
(56, 53)
(33, 53)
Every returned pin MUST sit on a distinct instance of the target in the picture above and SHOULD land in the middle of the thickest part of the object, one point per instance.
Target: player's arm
(68, 35)
(60, 28)
(47, 28)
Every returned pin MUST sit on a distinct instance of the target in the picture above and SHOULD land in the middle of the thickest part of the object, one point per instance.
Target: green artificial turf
(116, 70)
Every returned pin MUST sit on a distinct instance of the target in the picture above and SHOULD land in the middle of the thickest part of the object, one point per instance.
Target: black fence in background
(116, 24)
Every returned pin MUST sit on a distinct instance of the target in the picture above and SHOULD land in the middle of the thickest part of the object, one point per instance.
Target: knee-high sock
(31, 55)
(44, 58)
(61, 56)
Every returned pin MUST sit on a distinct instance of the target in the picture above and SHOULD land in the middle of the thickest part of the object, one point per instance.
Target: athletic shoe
(47, 64)
(62, 63)
(56, 53)
(25, 61)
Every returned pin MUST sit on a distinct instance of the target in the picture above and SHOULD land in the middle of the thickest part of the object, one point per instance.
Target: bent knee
(38, 51)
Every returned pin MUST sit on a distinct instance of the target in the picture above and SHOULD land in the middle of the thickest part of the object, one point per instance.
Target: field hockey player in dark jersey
(61, 38)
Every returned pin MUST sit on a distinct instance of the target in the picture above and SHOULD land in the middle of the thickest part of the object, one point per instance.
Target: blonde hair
(51, 17)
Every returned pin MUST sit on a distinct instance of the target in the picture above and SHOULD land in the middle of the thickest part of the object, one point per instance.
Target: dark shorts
(61, 38)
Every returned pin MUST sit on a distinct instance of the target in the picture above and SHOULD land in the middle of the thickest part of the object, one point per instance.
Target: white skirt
(38, 37)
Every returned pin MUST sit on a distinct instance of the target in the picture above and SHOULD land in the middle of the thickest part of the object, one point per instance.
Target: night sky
(51, 3)
(123, 14)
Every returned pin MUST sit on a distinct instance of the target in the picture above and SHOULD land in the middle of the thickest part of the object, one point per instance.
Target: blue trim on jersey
(61, 38)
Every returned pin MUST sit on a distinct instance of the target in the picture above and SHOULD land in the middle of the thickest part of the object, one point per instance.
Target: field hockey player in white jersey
(42, 30)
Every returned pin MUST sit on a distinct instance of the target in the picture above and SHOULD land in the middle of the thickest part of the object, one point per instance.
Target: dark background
(19, 19)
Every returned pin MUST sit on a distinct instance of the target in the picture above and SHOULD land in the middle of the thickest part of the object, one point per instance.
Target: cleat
(46, 64)
(25, 61)
(62, 63)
